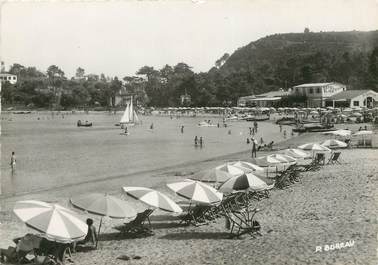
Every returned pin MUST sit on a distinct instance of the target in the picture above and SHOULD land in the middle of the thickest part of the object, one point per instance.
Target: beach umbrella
(246, 166)
(103, 205)
(266, 161)
(196, 191)
(244, 182)
(340, 132)
(212, 175)
(153, 198)
(360, 133)
(230, 169)
(57, 223)
(297, 153)
(284, 158)
(333, 143)
(314, 147)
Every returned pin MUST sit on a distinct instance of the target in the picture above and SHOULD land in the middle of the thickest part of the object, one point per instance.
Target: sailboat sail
(129, 116)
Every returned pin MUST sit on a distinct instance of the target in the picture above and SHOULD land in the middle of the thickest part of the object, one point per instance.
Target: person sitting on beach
(91, 237)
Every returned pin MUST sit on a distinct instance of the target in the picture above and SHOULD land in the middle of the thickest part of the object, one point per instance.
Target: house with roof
(6, 77)
(269, 99)
(318, 93)
(354, 99)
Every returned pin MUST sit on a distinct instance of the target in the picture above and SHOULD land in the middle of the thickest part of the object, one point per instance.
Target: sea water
(52, 152)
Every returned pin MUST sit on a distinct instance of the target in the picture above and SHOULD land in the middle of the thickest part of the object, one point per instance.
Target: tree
(80, 72)
(306, 30)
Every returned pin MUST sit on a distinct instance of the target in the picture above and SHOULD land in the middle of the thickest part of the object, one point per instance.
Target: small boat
(86, 124)
(314, 128)
(206, 124)
(258, 118)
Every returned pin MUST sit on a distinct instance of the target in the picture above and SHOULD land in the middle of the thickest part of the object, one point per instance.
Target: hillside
(284, 60)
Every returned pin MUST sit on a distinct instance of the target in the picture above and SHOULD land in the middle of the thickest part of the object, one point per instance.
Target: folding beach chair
(320, 158)
(243, 222)
(335, 157)
(198, 215)
(137, 226)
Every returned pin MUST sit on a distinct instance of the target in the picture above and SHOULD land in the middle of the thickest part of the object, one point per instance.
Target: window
(356, 103)
(14, 78)
(318, 90)
(311, 90)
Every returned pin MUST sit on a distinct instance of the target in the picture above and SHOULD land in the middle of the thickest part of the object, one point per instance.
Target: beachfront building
(6, 77)
(354, 99)
(269, 99)
(318, 93)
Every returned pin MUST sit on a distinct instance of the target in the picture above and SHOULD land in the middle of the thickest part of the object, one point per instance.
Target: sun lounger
(198, 215)
(243, 222)
(137, 226)
(335, 157)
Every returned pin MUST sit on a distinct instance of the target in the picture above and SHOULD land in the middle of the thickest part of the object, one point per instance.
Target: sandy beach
(334, 205)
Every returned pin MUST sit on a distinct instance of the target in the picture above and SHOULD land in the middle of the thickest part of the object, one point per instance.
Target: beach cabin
(354, 99)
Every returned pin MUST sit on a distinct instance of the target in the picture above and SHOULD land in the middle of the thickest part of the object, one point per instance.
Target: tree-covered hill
(284, 60)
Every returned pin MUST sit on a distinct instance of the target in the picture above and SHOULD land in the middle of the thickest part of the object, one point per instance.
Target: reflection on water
(52, 151)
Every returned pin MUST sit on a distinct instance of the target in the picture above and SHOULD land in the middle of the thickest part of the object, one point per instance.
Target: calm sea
(52, 151)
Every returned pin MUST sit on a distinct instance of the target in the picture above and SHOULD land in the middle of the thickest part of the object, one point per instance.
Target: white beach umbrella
(196, 191)
(153, 198)
(297, 153)
(244, 182)
(233, 170)
(340, 132)
(212, 175)
(333, 143)
(314, 147)
(284, 158)
(360, 133)
(57, 223)
(246, 166)
(266, 161)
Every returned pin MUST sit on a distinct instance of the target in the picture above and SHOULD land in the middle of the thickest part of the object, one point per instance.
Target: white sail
(126, 115)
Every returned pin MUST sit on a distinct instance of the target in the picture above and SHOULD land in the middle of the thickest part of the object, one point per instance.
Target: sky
(119, 37)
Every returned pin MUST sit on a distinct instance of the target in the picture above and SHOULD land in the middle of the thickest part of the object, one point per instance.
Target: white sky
(119, 37)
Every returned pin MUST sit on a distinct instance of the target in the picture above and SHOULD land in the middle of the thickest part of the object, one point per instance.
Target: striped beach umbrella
(57, 223)
(333, 143)
(196, 191)
(244, 182)
(103, 205)
(212, 175)
(153, 198)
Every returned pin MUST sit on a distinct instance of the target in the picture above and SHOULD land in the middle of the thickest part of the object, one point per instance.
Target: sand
(334, 205)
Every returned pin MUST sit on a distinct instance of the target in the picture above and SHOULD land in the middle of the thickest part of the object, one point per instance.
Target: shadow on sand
(197, 235)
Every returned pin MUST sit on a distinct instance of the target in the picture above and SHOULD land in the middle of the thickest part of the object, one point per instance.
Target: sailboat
(129, 117)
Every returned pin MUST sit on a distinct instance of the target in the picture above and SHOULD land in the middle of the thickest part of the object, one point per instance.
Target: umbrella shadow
(117, 236)
(166, 225)
(197, 235)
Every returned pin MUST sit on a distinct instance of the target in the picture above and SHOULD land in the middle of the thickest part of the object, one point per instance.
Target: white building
(4, 77)
(318, 93)
(269, 99)
(354, 99)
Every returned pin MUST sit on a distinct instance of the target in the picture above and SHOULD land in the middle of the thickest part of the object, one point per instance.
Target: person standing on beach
(195, 141)
(201, 141)
(256, 126)
(261, 141)
(182, 129)
(254, 150)
(284, 134)
(280, 128)
(13, 161)
(152, 126)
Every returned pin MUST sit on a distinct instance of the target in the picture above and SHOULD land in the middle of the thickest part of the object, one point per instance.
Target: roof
(7, 74)
(349, 94)
(266, 98)
(272, 94)
(315, 84)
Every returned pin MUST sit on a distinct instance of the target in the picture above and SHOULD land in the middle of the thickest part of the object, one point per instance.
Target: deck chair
(320, 158)
(198, 215)
(243, 222)
(137, 226)
(334, 158)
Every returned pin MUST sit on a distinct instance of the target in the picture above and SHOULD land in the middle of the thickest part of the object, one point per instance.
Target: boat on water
(85, 124)
(257, 118)
(206, 124)
(314, 127)
(129, 117)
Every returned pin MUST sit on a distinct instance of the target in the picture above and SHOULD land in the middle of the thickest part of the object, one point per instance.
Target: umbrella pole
(98, 233)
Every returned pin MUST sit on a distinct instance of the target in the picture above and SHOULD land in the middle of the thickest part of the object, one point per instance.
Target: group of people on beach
(198, 141)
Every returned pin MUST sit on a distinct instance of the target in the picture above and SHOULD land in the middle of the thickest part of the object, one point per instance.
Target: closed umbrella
(196, 191)
(333, 143)
(103, 205)
(57, 223)
(153, 198)
(244, 182)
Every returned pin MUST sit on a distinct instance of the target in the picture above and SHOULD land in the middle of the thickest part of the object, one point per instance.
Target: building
(269, 99)
(318, 93)
(4, 77)
(354, 99)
